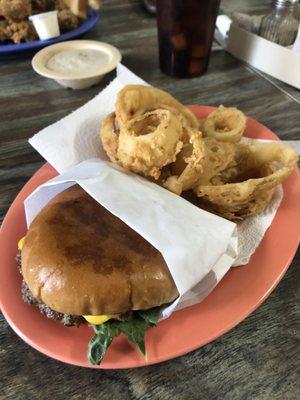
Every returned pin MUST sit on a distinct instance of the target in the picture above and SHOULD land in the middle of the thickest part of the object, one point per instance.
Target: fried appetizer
(40, 6)
(225, 124)
(152, 134)
(20, 32)
(15, 10)
(67, 20)
(134, 100)
(147, 131)
(60, 5)
(146, 143)
(78, 7)
(3, 30)
(247, 187)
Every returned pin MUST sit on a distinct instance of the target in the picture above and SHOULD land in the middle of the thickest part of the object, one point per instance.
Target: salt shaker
(280, 26)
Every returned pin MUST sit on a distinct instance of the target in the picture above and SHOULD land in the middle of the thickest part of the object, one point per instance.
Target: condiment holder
(280, 62)
(59, 62)
(46, 24)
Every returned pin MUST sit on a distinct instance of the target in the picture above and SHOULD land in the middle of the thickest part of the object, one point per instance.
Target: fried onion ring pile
(152, 134)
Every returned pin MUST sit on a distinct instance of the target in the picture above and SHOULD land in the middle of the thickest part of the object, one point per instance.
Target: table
(257, 359)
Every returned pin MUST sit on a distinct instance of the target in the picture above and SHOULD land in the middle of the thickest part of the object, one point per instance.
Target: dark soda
(185, 34)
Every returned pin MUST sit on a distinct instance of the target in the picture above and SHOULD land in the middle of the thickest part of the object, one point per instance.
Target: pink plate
(243, 288)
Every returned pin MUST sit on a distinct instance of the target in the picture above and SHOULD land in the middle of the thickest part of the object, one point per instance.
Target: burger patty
(66, 319)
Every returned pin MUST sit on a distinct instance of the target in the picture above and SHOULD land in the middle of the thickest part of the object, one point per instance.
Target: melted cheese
(21, 243)
(99, 319)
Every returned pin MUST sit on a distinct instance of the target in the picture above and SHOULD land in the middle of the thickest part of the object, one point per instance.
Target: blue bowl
(14, 49)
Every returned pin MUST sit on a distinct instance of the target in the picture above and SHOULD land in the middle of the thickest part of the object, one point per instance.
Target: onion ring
(225, 124)
(134, 100)
(253, 180)
(146, 143)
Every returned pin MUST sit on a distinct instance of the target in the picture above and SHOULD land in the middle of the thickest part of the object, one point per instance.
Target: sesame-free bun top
(80, 259)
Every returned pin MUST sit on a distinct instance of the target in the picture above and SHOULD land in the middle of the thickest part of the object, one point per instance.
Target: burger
(81, 264)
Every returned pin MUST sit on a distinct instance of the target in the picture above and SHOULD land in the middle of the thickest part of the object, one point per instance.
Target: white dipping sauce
(74, 62)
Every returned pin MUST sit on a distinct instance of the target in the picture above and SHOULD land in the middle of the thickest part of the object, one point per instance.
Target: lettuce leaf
(133, 329)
